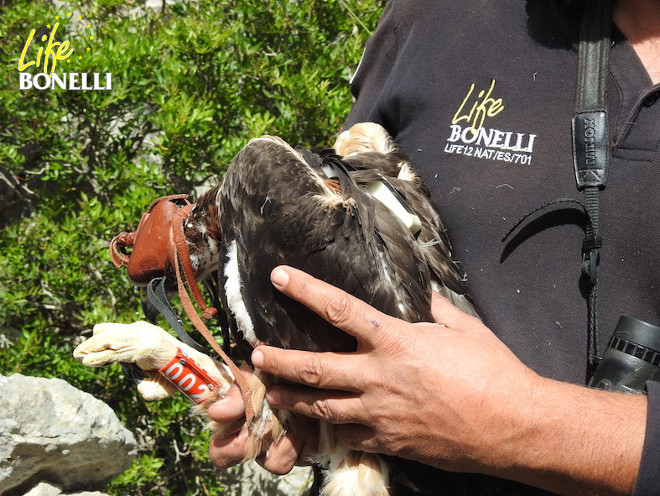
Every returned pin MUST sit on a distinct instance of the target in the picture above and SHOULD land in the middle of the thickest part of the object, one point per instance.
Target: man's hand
(424, 391)
(451, 394)
(227, 451)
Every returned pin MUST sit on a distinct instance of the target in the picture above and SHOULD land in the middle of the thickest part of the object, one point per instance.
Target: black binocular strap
(591, 149)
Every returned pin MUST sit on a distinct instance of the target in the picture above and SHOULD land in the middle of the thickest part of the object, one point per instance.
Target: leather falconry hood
(151, 242)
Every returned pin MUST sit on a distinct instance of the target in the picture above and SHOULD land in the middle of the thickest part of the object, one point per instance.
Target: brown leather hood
(152, 241)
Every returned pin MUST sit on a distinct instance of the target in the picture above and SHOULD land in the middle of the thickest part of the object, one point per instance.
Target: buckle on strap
(591, 257)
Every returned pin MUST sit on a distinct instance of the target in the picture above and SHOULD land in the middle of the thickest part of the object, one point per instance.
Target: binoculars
(631, 358)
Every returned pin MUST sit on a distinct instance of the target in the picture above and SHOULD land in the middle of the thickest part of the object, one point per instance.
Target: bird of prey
(357, 216)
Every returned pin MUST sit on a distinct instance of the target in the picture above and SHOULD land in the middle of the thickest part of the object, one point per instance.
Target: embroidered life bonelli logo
(471, 136)
(47, 61)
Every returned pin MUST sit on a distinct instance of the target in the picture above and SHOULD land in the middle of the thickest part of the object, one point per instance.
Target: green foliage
(190, 85)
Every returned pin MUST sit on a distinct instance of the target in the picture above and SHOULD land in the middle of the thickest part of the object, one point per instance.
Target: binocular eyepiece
(631, 358)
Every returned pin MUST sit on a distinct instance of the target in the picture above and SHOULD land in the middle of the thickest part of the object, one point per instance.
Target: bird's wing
(276, 209)
(372, 153)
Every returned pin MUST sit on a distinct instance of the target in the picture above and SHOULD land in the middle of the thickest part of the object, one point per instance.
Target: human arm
(454, 396)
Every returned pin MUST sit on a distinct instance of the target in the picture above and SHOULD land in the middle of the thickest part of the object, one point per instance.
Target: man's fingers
(337, 408)
(336, 306)
(445, 312)
(229, 408)
(318, 370)
(280, 458)
(441, 308)
(358, 437)
(228, 451)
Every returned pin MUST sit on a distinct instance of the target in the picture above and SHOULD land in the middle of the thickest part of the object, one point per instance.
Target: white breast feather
(234, 297)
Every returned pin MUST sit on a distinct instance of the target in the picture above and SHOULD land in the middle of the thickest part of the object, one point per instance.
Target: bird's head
(171, 226)
(147, 251)
(202, 233)
(171, 229)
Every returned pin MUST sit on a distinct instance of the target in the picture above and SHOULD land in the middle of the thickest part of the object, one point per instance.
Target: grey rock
(45, 489)
(55, 433)
(251, 478)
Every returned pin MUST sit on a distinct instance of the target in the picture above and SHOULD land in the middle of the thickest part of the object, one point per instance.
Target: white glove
(150, 348)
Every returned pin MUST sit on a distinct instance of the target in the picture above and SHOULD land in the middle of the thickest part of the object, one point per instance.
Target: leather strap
(188, 307)
(183, 255)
